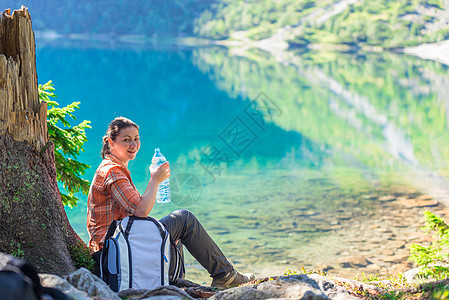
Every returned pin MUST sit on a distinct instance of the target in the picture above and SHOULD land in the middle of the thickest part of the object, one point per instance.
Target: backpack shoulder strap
(111, 229)
(128, 226)
(162, 230)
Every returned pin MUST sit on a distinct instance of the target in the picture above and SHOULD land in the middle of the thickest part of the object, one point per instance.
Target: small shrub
(433, 259)
(81, 256)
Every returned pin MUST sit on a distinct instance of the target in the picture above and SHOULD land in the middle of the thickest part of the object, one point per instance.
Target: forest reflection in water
(381, 111)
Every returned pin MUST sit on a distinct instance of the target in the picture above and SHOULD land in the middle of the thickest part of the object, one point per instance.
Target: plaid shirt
(112, 196)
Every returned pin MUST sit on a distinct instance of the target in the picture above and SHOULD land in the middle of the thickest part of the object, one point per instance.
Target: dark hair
(114, 129)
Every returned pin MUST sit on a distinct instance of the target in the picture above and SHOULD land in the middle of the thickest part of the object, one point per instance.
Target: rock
(307, 213)
(411, 236)
(425, 239)
(417, 203)
(324, 267)
(244, 292)
(343, 217)
(387, 198)
(442, 211)
(131, 293)
(54, 281)
(165, 297)
(373, 267)
(398, 258)
(84, 280)
(167, 292)
(411, 275)
(183, 289)
(288, 287)
(387, 252)
(356, 286)
(324, 227)
(424, 197)
(397, 244)
(425, 203)
(332, 290)
(398, 268)
(195, 290)
(336, 227)
(353, 261)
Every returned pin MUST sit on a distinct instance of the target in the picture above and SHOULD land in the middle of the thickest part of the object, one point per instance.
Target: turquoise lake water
(260, 149)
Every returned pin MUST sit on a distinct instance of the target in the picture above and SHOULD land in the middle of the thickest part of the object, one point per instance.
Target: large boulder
(61, 284)
(167, 292)
(83, 280)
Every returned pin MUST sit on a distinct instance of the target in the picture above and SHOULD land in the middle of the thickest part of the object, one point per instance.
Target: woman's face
(126, 144)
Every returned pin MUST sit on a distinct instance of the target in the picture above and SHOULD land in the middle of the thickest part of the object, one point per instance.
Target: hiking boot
(232, 279)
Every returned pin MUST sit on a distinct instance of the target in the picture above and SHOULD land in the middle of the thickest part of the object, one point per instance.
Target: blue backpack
(137, 253)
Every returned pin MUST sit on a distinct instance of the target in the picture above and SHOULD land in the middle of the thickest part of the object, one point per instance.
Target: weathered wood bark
(21, 113)
(33, 223)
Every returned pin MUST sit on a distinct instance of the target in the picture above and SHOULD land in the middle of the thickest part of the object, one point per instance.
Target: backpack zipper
(117, 263)
(130, 261)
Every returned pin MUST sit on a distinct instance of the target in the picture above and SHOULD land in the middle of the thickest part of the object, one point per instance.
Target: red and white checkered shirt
(112, 196)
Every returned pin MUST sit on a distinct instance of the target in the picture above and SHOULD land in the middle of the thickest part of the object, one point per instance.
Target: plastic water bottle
(163, 192)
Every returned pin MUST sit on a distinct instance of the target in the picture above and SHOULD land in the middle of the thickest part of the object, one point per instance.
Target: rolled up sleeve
(122, 191)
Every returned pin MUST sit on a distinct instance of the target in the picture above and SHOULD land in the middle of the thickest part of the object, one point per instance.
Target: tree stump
(33, 222)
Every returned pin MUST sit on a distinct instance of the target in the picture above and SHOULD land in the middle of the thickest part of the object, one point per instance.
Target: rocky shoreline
(83, 285)
(354, 241)
(380, 243)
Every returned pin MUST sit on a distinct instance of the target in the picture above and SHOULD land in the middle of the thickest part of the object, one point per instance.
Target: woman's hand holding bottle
(161, 173)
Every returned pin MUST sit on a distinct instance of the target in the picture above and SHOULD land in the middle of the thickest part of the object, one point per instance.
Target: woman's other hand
(162, 173)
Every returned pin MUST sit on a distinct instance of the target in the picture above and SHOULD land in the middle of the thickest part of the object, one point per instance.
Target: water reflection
(383, 110)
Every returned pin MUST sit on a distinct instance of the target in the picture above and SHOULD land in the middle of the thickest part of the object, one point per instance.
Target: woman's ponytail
(105, 150)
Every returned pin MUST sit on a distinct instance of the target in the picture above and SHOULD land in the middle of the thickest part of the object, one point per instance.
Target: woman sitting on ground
(113, 196)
